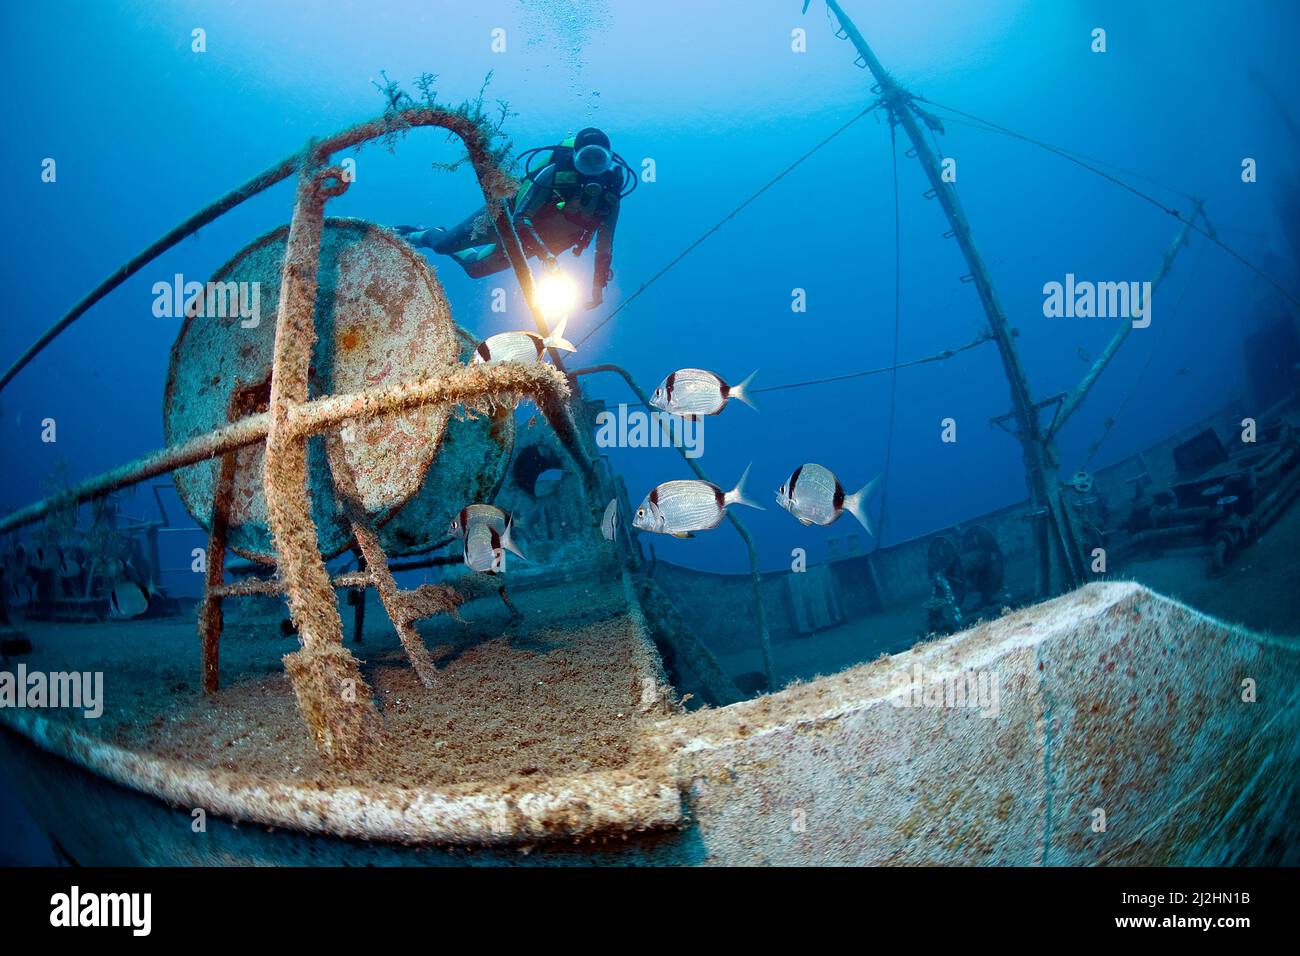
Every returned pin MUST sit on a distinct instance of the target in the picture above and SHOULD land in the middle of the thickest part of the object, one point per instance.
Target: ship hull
(1126, 729)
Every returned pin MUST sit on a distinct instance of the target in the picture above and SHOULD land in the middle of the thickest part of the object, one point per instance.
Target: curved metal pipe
(495, 182)
(1275, 463)
(1272, 507)
(1169, 533)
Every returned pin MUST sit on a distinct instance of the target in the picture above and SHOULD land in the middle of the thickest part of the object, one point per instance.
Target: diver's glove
(598, 289)
(415, 235)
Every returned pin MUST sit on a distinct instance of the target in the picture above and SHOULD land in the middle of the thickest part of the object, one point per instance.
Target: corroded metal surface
(1111, 698)
(470, 467)
(333, 698)
(494, 815)
(356, 310)
(381, 317)
(1122, 736)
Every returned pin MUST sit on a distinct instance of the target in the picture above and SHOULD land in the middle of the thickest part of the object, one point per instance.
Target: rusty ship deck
(559, 742)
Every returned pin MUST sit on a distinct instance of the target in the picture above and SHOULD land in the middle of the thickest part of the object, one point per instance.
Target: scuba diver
(570, 195)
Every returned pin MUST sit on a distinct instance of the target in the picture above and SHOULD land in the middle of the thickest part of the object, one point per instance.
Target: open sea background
(145, 131)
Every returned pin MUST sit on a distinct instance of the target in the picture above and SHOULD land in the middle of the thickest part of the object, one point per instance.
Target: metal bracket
(1037, 406)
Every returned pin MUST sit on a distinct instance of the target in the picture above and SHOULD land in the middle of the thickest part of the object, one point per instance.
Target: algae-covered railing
(332, 696)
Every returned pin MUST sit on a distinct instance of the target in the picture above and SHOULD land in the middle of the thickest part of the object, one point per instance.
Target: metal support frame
(333, 698)
(1040, 465)
(1075, 398)
(211, 616)
(1057, 535)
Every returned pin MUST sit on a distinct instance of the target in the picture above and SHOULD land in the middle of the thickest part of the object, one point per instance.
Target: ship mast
(1055, 531)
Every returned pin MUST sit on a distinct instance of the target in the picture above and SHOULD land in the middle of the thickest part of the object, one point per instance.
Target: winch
(960, 564)
(381, 317)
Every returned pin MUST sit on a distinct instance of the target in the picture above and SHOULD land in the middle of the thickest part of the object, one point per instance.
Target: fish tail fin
(737, 495)
(556, 339)
(856, 504)
(742, 392)
(609, 521)
(508, 542)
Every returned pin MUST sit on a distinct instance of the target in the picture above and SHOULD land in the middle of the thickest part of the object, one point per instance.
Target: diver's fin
(737, 496)
(856, 504)
(741, 392)
(556, 339)
(507, 541)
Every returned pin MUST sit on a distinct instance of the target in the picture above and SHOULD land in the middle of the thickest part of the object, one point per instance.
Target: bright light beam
(557, 294)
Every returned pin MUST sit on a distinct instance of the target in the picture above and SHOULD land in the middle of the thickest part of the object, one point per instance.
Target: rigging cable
(1066, 154)
(723, 221)
(1076, 155)
(937, 357)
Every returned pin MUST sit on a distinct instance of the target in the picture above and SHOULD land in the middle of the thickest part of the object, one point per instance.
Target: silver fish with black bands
(681, 507)
(502, 522)
(483, 550)
(697, 391)
(815, 496)
(526, 347)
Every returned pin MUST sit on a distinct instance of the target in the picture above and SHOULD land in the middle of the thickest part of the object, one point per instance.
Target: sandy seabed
(560, 692)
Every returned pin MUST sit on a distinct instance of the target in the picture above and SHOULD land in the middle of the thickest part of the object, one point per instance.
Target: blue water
(144, 132)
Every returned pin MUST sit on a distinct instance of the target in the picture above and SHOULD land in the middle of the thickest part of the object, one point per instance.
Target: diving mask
(592, 160)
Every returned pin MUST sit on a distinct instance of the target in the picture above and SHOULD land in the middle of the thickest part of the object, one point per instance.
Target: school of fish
(812, 494)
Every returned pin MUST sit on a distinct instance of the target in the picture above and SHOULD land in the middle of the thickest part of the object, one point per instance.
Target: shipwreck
(1096, 723)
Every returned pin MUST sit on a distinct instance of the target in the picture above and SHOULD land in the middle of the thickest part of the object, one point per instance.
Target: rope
(1075, 154)
(937, 357)
(723, 221)
(1074, 158)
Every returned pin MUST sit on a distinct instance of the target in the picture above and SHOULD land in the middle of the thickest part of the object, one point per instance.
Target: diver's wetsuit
(562, 208)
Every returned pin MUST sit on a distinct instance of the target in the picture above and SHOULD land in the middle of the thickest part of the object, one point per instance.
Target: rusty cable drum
(471, 467)
(381, 318)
